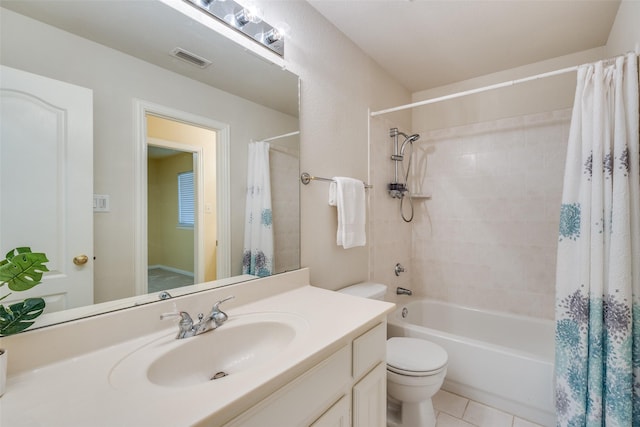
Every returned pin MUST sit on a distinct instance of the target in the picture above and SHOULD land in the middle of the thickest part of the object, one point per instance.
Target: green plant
(21, 270)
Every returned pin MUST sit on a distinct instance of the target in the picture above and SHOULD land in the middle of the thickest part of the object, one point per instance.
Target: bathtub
(499, 359)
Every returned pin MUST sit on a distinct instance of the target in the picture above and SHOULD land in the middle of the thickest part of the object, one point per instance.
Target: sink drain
(219, 375)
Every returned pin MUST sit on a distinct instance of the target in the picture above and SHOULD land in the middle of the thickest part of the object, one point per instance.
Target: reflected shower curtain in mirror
(258, 230)
(598, 269)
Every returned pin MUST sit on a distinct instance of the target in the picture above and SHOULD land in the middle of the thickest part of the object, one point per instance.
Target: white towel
(347, 194)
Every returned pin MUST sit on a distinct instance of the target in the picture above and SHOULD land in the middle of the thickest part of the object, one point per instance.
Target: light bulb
(279, 32)
(246, 15)
(273, 36)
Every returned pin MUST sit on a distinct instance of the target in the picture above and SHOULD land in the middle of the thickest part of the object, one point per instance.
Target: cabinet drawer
(304, 399)
(369, 349)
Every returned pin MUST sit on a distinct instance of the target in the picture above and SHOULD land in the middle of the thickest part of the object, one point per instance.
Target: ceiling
(430, 43)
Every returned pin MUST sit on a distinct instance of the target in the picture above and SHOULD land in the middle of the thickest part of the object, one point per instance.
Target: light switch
(101, 203)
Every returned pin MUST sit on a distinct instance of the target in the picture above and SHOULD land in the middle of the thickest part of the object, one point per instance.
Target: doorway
(181, 195)
(212, 214)
(171, 209)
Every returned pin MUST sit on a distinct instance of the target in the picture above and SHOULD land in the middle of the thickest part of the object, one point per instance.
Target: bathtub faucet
(403, 291)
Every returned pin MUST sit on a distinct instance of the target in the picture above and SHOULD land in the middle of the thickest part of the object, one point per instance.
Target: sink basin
(243, 343)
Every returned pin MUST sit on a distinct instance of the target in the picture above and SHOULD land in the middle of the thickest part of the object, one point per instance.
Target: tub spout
(403, 291)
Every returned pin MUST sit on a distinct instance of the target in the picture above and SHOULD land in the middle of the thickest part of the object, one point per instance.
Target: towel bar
(306, 178)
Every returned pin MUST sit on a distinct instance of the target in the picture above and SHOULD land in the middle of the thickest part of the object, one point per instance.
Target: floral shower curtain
(258, 231)
(598, 270)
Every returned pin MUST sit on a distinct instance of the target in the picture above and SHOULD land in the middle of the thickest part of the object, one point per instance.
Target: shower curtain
(258, 231)
(598, 269)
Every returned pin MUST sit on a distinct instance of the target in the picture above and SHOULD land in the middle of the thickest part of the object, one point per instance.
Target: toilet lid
(414, 355)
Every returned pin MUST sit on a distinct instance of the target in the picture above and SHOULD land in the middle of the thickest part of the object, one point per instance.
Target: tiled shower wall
(389, 236)
(487, 238)
(286, 218)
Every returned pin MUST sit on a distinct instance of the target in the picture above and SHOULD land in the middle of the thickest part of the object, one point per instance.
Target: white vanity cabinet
(346, 389)
(369, 393)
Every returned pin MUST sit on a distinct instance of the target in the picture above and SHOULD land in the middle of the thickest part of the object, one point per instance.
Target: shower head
(393, 132)
(410, 139)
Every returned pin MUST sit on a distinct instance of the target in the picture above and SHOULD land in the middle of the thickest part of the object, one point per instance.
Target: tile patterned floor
(456, 411)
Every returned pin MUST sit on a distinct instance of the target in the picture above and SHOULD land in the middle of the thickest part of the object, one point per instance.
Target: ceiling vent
(191, 58)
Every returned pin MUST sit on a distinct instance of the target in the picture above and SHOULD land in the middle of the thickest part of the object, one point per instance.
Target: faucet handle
(216, 305)
(218, 316)
(185, 325)
(184, 317)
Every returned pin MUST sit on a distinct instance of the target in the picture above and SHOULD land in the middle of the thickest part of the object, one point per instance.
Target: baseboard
(171, 269)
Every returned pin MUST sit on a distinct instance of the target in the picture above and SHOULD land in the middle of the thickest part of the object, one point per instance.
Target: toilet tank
(369, 290)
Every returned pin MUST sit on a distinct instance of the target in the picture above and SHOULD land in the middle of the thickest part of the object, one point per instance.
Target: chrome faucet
(186, 327)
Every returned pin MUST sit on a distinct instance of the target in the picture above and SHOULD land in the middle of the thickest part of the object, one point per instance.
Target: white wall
(115, 80)
(339, 83)
(625, 34)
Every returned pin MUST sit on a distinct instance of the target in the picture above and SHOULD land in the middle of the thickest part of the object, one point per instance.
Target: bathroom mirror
(142, 60)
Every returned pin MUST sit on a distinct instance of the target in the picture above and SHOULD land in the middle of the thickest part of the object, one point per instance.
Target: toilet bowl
(415, 371)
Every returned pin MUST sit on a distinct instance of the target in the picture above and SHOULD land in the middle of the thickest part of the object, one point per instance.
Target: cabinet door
(370, 399)
(336, 416)
(304, 399)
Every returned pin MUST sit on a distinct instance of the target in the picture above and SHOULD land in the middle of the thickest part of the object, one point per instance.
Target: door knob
(80, 259)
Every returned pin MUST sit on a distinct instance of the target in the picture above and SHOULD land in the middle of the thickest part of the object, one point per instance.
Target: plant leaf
(19, 316)
(22, 269)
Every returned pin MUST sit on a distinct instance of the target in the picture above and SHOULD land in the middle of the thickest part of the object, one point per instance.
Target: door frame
(223, 196)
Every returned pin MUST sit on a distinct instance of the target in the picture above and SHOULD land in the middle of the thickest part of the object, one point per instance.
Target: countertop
(77, 391)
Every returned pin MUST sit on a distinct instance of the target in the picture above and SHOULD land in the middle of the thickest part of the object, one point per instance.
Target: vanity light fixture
(245, 19)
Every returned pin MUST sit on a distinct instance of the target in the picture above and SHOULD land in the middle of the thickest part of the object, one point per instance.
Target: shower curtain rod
(283, 150)
(488, 88)
(473, 91)
(273, 138)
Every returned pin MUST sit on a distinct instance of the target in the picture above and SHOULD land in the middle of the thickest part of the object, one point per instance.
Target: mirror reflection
(159, 145)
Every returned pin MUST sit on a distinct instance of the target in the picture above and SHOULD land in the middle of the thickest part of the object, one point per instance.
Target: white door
(46, 182)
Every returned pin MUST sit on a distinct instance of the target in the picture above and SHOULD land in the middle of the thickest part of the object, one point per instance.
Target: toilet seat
(415, 357)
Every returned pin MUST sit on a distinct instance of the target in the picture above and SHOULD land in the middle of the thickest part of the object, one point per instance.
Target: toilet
(415, 371)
